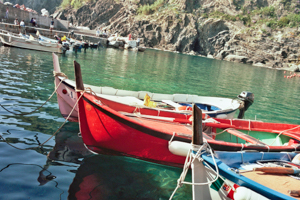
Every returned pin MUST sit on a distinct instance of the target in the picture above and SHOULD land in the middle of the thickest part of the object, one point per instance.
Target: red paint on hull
(102, 127)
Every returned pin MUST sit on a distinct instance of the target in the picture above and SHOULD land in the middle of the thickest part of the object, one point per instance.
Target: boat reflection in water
(117, 177)
(68, 147)
(108, 176)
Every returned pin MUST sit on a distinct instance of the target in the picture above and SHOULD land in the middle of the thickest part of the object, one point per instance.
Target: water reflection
(114, 177)
(68, 147)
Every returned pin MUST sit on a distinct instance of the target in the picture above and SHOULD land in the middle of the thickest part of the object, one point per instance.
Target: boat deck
(280, 183)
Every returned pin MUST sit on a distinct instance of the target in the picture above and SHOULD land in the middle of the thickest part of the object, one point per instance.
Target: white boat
(212, 106)
(66, 44)
(17, 40)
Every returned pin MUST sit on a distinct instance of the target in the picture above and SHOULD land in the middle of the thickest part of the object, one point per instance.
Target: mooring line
(38, 107)
(64, 121)
(40, 145)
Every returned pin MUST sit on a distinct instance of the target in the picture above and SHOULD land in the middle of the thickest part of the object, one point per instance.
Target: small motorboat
(161, 105)
(113, 127)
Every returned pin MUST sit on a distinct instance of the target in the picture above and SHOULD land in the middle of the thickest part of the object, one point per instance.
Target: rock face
(181, 26)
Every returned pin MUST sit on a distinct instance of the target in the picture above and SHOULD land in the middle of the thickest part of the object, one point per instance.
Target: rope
(189, 160)
(249, 125)
(295, 146)
(64, 121)
(283, 132)
(38, 107)
(172, 138)
(59, 74)
(40, 145)
(225, 131)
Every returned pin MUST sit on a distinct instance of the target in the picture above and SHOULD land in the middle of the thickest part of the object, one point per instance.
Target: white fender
(9, 39)
(179, 148)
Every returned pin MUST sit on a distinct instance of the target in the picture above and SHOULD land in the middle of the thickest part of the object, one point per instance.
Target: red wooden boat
(166, 105)
(105, 127)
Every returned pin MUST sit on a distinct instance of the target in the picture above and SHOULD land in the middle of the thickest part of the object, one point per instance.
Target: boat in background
(108, 127)
(17, 40)
(235, 175)
(166, 105)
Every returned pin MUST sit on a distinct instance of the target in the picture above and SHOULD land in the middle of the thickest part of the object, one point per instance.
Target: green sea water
(63, 168)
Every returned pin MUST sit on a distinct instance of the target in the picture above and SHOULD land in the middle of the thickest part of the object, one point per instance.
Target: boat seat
(245, 137)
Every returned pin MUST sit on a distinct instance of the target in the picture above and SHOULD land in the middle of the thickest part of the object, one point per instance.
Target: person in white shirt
(22, 24)
(16, 22)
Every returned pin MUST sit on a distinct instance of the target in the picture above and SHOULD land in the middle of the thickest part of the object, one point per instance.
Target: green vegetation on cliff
(75, 3)
(251, 16)
(150, 9)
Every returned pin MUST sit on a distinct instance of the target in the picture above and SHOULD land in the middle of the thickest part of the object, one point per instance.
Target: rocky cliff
(255, 32)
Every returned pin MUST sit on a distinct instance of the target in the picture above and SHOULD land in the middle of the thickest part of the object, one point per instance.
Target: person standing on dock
(22, 27)
(97, 32)
(22, 24)
(51, 25)
(129, 36)
(6, 13)
(16, 22)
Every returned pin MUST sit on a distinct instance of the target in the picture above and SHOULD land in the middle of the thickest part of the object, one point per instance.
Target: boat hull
(104, 128)
(68, 100)
(238, 158)
(15, 41)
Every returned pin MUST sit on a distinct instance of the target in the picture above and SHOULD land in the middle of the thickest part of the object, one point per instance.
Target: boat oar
(197, 126)
(78, 77)
(277, 170)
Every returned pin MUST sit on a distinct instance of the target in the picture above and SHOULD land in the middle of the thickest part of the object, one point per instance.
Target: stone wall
(42, 21)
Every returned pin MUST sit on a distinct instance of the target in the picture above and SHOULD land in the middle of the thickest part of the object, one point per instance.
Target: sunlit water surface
(63, 168)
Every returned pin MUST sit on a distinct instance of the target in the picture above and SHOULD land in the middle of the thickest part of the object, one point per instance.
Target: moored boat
(240, 175)
(167, 105)
(147, 137)
(15, 40)
(236, 175)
